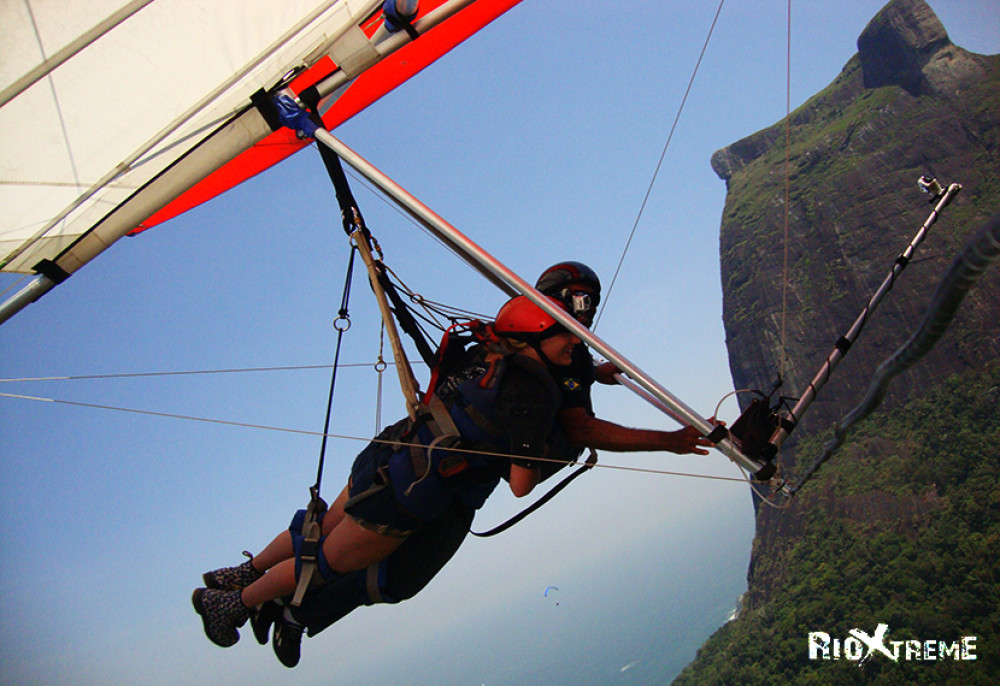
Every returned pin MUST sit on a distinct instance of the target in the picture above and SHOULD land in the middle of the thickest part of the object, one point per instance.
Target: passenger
(423, 554)
(394, 490)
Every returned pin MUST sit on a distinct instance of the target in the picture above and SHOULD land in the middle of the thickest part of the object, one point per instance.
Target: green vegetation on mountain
(900, 529)
(914, 544)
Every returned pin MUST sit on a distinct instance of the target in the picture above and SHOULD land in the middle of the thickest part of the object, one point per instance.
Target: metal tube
(35, 289)
(390, 43)
(842, 347)
(648, 397)
(510, 282)
(49, 64)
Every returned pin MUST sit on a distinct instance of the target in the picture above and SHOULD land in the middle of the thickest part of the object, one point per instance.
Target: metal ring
(342, 324)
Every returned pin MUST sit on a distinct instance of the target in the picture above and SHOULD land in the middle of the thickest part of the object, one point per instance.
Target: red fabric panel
(367, 88)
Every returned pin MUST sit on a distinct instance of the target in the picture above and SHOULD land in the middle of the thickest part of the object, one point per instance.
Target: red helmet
(522, 319)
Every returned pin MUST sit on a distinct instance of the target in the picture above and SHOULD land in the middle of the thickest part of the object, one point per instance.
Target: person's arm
(523, 479)
(605, 373)
(583, 429)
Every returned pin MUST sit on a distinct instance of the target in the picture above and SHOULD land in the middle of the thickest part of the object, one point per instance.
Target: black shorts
(372, 503)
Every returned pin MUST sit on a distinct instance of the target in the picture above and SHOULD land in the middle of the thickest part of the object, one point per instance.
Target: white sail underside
(115, 113)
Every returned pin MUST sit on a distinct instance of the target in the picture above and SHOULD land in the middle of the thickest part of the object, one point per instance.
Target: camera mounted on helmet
(575, 285)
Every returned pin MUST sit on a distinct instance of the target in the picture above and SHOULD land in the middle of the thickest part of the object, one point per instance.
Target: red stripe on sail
(366, 89)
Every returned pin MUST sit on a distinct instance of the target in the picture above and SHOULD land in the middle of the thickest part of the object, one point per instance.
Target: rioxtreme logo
(859, 647)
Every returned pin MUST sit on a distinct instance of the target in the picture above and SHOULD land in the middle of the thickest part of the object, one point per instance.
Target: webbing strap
(407, 380)
(349, 212)
(372, 585)
(406, 320)
(587, 466)
(442, 418)
(310, 550)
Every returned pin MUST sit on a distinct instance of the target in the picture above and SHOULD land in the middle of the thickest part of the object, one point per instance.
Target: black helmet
(558, 281)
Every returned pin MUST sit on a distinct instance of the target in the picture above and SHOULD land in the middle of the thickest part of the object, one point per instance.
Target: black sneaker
(261, 619)
(287, 642)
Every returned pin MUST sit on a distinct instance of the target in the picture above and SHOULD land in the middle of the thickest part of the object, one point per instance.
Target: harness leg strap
(307, 543)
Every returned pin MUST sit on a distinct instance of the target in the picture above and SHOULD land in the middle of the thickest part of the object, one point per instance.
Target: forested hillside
(895, 545)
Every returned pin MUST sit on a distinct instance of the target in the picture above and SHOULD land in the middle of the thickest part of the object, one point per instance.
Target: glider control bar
(508, 281)
(843, 345)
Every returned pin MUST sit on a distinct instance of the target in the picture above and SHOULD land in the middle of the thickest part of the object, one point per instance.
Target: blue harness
(426, 478)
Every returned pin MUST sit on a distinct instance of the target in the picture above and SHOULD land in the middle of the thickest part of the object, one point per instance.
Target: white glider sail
(118, 115)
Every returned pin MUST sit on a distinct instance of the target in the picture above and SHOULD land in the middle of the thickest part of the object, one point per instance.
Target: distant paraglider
(550, 592)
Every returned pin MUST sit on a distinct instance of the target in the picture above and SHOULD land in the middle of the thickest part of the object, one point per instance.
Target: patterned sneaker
(261, 619)
(222, 612)
(232, 578)
(287, 642)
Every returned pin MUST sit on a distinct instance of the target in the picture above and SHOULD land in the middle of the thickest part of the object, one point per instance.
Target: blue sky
(538, 139)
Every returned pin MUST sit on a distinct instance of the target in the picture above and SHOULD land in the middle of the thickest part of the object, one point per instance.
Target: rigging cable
(136, 375)
(979, 252)
(306, 432)
(659, 164)
(788, 186)
(342, 323)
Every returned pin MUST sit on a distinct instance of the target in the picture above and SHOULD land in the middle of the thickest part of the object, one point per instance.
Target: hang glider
(143, 110)
(120, 115)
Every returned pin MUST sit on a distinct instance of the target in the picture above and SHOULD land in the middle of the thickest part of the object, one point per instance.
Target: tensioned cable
(136, 375)
(305, 432)
(649, 189)
(788, 185)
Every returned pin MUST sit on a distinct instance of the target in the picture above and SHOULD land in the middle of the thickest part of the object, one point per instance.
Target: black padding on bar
(52, 271)
(262, 101)
(310, 97)
(718, 434)
(843, 345)
(766, 472)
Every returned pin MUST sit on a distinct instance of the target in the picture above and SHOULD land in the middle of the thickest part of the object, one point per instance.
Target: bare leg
(350, 547)
(335, 514)
(281, 547)
(279, 581)
(277, 550)
(347, 548)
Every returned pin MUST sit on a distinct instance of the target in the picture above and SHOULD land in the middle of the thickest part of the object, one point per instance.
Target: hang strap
(407, 380)
(585, 467)
(349, 212)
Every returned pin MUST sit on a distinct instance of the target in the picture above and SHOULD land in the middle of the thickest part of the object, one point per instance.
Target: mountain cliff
(909, 103)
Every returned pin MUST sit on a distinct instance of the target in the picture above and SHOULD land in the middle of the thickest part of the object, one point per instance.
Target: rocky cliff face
(910, 103)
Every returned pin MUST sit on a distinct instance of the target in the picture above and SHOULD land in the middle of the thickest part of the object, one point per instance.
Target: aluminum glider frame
(942, 198)
(509, 282)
